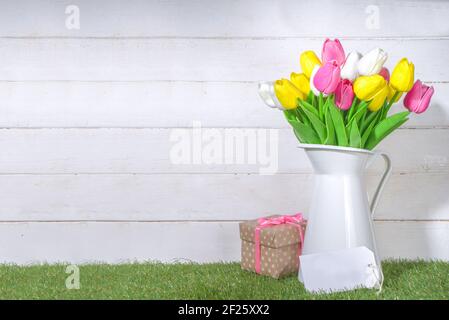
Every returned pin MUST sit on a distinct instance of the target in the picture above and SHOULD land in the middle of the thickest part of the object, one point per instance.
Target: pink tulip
(327, 77)
(385, 74)
(418, 98)
(344, 94)
(333, 51)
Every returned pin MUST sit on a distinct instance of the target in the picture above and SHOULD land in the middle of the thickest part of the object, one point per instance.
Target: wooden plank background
(86, 117)
(112, 242)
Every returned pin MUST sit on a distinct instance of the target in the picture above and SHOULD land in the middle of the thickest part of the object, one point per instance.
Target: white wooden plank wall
(87, 117)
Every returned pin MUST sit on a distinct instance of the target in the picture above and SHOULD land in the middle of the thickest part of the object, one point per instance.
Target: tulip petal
(308, 60)
(418, 98)
(402, 76)
(266, 92)
(344, 94)
(327, 77)
(372, 62)
(312, 79)
(287, 94)
(366, 87)
(301, 82)
(425, 100)
(349, 70)
(378, 100)
(333, 51)
(385, 74)
(413, 96)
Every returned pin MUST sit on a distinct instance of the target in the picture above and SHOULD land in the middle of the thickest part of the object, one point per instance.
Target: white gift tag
(340, 270)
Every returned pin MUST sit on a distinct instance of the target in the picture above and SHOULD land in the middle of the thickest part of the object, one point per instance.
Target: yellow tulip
(391, 93)
(301, 82)
(403, 76)
(308, 60)
(366, 87)
(378, 100)
(287, 94)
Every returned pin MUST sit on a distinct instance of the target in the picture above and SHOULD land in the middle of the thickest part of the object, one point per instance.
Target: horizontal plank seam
(190, 221)
(211, 173)
(160, 81)
(411, 127)
(227, 38)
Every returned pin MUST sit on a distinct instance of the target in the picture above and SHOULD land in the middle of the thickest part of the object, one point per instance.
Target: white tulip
(372, 62)
(349, 70)
(312, 86)
(266, 92)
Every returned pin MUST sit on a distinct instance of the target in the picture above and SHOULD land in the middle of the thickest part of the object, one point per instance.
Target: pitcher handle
(382, 182)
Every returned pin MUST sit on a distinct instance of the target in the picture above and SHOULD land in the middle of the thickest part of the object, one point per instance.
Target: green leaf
(361, 110)
(368, 120)
(299, 115)
(306, 134)
(367, 133)
(384, 110)
(304, 119)
(355, 140)
(385, 127)
(303, 132)
(352, 109)
(339, 126)
(326, 105)
(331, 139)
(320, 106)
(294, 113)
(310, 97)
(386, 107)
(309, 107)
(319, 126)
(300, 139)
(314, 102)
(291, 115)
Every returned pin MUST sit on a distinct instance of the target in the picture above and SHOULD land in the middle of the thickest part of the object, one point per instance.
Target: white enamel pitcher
(340, 216)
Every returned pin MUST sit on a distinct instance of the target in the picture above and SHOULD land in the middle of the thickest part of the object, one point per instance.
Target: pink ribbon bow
(296, 220)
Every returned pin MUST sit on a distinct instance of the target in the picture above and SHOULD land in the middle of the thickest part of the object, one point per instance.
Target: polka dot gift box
(271, 245)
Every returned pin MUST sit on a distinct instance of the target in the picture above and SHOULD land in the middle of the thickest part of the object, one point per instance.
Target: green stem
(352, 109)
(390, 103)
(312, 100)
(320, 106)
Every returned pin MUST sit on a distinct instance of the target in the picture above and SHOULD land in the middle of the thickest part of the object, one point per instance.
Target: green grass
(403, 280)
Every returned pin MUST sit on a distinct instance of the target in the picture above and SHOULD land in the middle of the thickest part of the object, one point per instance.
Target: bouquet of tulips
(344, 100)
